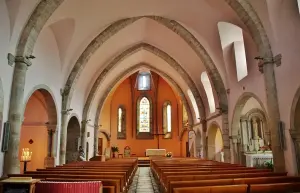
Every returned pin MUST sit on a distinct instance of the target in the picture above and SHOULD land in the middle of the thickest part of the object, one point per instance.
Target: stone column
(96, 140)
(63, 137)
(273, 109)
(244, 133)
(84, 134)
(11, 158)
(234, 140)
(203, 136)
(295, 134)
(255, 133)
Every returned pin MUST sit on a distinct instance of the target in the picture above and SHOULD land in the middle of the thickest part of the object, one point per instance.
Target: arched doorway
(214, 143)
(295, 126)
(73, 139)
(249, 131)
(39, 125)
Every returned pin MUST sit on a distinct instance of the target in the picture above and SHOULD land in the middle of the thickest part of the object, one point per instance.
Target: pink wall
(34, 128)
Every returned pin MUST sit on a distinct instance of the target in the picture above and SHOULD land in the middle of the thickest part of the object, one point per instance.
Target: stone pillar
(203, 136)
(273, 109)
(226, 140)
(255, 133)
(295, 134)
(84, 135)
(96, 140)
(244, 134)
(11, 158)
(235, 140)
(63, 137)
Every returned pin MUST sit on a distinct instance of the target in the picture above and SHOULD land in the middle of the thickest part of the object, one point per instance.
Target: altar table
(155, 152)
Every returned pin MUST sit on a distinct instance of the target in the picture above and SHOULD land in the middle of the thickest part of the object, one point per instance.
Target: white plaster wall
(5, 70)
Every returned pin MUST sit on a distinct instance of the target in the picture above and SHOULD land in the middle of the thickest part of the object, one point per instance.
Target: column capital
(19, 59)
(268, 60)
(51, 128)
(84, 122)
(244, 118)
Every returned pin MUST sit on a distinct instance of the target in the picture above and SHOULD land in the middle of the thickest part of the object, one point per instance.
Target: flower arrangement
(265, 148)
(169, 154)
(114, 149)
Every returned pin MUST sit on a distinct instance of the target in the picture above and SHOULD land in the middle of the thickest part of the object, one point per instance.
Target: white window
(209, 92)
(144, 81)
(233, 35)
(194, 104)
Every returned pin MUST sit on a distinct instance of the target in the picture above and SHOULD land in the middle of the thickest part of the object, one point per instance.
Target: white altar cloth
(155, 152)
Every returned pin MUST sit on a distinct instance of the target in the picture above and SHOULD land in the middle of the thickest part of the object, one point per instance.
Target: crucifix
(157, 135)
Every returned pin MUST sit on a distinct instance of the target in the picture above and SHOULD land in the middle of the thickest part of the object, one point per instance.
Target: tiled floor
(143, 182)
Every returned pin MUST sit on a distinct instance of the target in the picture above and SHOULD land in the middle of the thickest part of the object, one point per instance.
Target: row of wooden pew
(116, 174)
(180, 175)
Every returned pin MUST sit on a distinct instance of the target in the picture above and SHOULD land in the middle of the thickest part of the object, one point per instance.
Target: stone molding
(173, 63)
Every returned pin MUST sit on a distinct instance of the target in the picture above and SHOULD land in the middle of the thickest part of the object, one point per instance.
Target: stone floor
(143, 182)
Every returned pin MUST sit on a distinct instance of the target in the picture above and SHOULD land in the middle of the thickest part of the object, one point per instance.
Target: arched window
(194, 103)
(231, 34)
(167, 119)
(144, 115)
(121, 123)
(209, 92)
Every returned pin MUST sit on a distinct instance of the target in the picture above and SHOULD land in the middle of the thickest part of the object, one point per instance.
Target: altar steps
(144, 163)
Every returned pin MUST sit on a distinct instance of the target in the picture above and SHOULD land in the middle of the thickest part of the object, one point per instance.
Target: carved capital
(19, 59)
(272, 60)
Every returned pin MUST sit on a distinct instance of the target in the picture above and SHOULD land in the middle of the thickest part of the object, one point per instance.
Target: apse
(144, 112)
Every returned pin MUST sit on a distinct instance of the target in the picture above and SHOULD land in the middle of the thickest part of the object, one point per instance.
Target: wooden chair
(127, 151)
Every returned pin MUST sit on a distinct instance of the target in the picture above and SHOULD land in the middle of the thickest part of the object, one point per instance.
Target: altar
(156, 152)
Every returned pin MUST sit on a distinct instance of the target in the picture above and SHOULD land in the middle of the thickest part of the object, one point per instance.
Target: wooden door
(100, 146)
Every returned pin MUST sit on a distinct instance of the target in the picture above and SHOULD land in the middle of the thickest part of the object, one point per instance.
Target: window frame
(122, 134)
(144, 135)
(167, 134)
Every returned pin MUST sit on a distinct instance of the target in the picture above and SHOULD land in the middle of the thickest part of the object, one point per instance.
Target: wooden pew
(236, 181)
(213, 189)
(275, 188)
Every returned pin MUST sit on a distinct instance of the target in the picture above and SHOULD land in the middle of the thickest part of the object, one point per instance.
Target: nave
(166, 175)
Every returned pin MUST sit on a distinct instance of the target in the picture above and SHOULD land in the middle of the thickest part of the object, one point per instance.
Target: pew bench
(213, 189)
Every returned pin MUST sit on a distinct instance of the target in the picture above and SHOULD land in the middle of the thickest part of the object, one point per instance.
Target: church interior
(150, 96)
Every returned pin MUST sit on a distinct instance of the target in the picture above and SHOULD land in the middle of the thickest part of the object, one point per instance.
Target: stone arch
(50, 102)
(135, 68)
(237, 112)
(295, 112)
(243, 9)
(38, 128)
(295, 126)
(144, 46)
(73, 139)
(107, 135)
(214, 150)
(171, 25)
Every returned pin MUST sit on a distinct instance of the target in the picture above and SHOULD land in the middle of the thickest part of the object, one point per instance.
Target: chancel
(150, 96)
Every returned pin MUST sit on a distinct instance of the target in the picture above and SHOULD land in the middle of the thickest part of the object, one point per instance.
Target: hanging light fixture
(144, 80)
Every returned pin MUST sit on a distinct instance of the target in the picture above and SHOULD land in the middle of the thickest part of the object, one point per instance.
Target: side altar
(156, 152)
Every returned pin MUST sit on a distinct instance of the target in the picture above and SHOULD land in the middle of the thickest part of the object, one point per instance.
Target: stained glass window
(144, 121)
(120, 112)
(169, 124)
